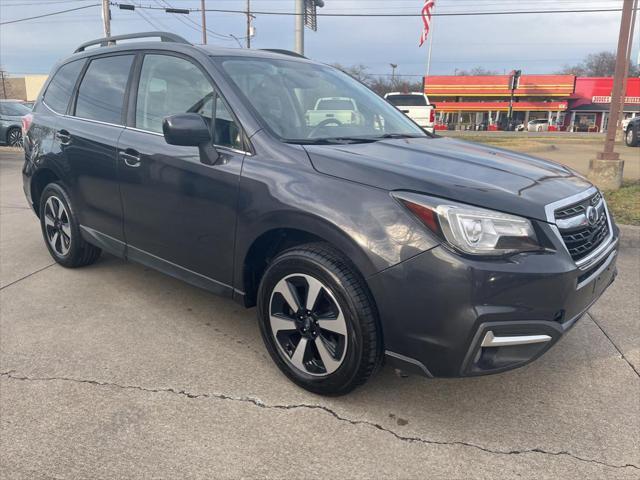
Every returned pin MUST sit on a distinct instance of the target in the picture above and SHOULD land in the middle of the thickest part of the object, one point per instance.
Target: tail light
(432, 115)
(27, 120)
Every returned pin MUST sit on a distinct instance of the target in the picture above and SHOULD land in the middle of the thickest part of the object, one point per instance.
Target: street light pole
(204, 22)
(606, 169)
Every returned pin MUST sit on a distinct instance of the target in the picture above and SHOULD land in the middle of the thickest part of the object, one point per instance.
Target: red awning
(500, 106)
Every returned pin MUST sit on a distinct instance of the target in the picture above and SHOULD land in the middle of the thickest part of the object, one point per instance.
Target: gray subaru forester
(360, 237)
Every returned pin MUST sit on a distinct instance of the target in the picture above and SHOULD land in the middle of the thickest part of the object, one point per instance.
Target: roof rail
(283, 52)
(103, 42)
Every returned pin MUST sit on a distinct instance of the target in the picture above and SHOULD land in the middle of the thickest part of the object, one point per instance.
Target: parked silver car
(11, 113)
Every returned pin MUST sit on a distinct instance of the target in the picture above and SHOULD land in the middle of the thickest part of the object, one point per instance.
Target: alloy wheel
(308, 325)
(629, 136)
(14, 138)
(57, 225)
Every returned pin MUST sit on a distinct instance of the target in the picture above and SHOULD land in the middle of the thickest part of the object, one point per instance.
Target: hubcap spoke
(54, 242)
(287, 291)
(298, 355)
(335, 325)
(279, 323)
(66, 229)
(313, 292)
(48, 220)
(330, 363)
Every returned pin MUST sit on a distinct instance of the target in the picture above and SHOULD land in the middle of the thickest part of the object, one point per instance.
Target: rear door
(180, 202)
(88, 138)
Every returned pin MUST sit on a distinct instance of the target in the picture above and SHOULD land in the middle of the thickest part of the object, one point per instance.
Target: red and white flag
(426, 19)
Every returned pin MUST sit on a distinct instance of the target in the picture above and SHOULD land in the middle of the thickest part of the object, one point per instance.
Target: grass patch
(624, 204)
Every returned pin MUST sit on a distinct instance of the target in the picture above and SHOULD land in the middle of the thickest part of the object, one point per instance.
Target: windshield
(407, 100)
(14, 109)
(307, 103)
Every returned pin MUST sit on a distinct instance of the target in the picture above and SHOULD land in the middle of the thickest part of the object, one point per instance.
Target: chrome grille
(580, 236)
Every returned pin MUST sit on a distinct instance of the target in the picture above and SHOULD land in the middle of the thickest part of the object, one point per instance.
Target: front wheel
(318, 320)
(14, 137)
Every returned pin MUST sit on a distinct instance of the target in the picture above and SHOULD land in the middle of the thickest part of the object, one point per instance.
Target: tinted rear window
(101, 93)
(61, 86)
(335, 105)
(407, 100)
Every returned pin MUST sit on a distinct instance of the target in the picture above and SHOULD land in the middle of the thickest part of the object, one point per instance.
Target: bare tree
(601, 64)
(477, 71)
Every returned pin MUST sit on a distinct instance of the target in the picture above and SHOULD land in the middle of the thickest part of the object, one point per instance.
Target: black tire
(14, 137)
(362, 354)
(631, 137)
(69, 248)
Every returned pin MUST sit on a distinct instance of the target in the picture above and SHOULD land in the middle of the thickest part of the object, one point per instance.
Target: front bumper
(444, 315)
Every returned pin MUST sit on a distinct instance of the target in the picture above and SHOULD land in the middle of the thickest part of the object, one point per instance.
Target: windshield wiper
(398, 135)
(334, 140)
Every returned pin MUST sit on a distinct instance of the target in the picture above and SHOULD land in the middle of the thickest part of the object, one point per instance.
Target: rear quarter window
(60, 88)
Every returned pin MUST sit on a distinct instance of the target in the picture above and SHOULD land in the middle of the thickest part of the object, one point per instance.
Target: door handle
(131, 158)
(64, 137)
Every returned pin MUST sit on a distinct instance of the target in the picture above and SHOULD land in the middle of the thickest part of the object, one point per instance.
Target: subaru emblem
(592, 215)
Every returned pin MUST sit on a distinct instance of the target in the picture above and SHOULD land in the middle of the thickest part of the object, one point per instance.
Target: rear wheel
(61, 231)
(631, 138)
(318, 320)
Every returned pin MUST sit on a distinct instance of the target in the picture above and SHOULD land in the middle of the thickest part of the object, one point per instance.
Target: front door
(179, 202)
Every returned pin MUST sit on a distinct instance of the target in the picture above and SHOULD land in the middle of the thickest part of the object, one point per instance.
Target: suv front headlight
(469, 229)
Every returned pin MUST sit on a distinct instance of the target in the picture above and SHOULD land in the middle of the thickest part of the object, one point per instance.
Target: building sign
(498, 86)
(603, 99)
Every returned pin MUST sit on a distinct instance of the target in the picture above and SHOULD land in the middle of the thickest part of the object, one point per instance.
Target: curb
(629, 236)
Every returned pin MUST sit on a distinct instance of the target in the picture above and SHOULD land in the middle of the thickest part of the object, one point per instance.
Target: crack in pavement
(593, 319)
(259, 403)
(27, 276)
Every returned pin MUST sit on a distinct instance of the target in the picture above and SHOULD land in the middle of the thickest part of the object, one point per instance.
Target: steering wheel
(324, 123)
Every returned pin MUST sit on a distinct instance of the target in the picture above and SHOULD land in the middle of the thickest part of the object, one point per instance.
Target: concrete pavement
(117, 371)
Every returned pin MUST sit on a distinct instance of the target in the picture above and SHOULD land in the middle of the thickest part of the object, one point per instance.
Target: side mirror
(186, 129)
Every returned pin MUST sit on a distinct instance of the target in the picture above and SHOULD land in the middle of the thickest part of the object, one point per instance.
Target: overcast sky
(534, 43)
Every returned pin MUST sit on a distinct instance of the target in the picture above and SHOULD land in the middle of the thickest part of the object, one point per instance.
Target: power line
(50, 14)
(438, 14)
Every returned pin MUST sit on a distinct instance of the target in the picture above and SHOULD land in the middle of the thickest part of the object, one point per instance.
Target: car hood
(453, 169)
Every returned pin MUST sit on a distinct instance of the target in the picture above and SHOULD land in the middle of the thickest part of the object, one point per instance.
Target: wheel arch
(39, 181)
(270, 242)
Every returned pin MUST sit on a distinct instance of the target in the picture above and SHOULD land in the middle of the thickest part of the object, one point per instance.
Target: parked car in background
(11, 113)
(358, 242)
(334, 111)
(632, 132)
(537, 125)
(416, 106)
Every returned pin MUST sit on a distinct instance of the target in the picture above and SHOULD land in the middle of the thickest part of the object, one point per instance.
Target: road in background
(117, 371)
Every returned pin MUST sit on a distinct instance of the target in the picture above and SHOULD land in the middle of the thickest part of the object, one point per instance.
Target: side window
(101, 93)
(226, 132)
(171, 85)
(61, 86)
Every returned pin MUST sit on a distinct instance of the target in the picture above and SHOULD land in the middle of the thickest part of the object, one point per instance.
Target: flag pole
(430, 44)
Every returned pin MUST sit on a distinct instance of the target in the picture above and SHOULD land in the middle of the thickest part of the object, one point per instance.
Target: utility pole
(106, 18)
(606, 169)
(204, 22)
(299, 16)
(249, 19)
